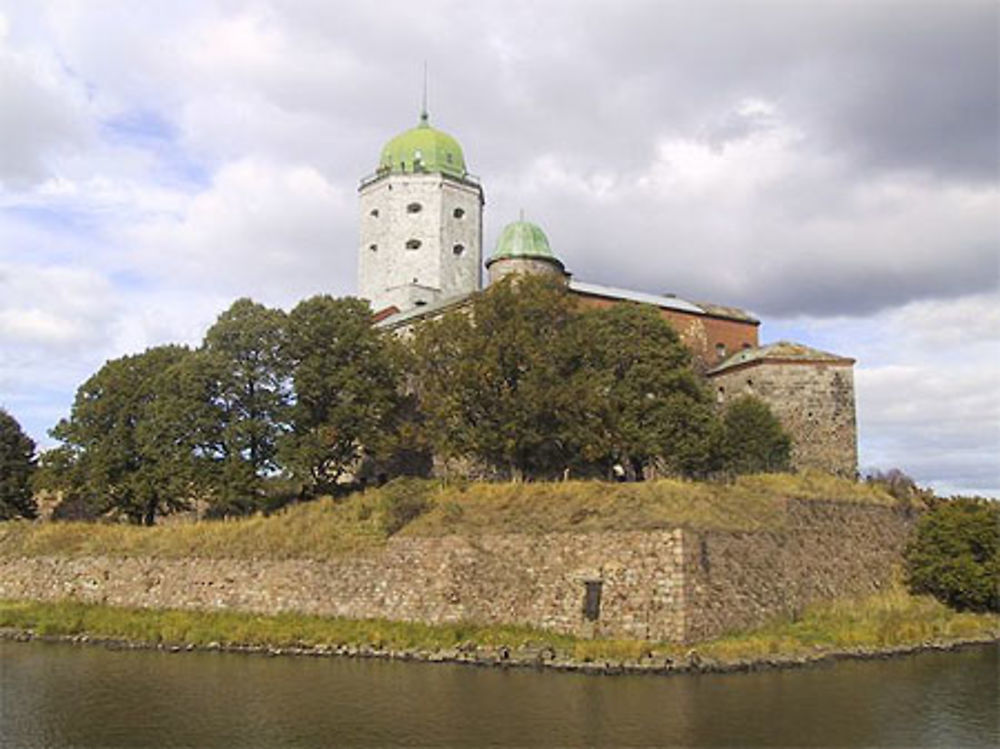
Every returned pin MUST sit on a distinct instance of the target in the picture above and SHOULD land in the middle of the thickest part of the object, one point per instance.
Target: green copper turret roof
(523, 239)
(422, 149)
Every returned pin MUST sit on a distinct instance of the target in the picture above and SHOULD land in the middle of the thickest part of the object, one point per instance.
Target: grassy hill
(326, 528)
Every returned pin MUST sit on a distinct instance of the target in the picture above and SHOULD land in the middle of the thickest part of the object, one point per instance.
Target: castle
(421, 255)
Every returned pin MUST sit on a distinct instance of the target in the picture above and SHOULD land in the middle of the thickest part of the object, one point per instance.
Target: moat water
(58, 695)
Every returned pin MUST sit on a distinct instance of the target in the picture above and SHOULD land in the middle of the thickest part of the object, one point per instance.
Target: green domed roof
(523, 239)
(422, 149)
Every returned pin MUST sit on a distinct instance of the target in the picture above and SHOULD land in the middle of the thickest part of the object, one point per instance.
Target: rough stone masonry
(665, 585)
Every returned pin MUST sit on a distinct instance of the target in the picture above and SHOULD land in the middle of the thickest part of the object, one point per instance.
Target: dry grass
(201, 628)
(747, 504)
(320, 529)
(894, 618)
(325, 528)
(891, 619)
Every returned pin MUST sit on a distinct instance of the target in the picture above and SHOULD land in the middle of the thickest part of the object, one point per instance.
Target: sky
(832, 167)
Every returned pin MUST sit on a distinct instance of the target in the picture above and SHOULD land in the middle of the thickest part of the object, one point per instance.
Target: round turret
(422, 149)
(523, 248)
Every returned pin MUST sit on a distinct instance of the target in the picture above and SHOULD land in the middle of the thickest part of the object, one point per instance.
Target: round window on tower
(458, 213)
(373, 247)
(458, 249)
(373, 212)
(414, 208)
(413, 244)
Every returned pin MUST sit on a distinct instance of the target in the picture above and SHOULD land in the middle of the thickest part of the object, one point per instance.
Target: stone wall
(827, 550)
(813, 400)
(537, 579)
(658, 585)
(506, 266)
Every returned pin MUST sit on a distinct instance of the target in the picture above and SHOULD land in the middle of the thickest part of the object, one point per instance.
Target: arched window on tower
(413, 244)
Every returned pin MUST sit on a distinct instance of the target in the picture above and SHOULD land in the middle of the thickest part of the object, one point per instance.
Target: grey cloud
(37, 120)
(898, 85)
(894, 96)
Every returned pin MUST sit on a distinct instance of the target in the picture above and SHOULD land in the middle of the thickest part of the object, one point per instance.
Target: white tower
(421, 223)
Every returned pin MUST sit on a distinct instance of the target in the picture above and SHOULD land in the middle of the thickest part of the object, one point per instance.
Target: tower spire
(423, 103)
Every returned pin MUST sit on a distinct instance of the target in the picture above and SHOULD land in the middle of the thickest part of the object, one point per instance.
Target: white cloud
(263, 230)
(159, 160)
(764, 220)
(939, 424)
(43, 113)
(52, 306)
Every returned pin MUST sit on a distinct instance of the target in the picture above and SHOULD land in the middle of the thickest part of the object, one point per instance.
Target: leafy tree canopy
(528, 383)
(112, 455)
(17, 464)
(955, 554)
(502, 380)
(753, 438)
(243, 371)
(346, 383)
(655, 407)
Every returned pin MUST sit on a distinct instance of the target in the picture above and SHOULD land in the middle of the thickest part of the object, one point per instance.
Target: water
(55, 695)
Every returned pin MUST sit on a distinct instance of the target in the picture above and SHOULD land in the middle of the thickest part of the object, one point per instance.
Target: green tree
(753, 438)
(655, 407)
(185, 420)
(502, 381)
(111, 456)
(346, 384)
(955, 554)
(17, 464)
(244, 358)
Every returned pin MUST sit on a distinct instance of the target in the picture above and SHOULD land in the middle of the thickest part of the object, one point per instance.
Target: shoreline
(545, 658)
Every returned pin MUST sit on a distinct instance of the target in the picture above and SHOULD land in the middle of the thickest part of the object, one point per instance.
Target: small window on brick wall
(592, 600)
(413, 244)
(720, 350)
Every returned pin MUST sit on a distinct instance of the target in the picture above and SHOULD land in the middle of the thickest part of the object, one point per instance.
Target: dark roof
(662, 301)
(780, 351)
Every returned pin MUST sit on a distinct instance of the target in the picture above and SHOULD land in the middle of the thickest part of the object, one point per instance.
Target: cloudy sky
(832, 167)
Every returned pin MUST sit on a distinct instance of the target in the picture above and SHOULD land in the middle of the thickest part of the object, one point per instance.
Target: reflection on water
(63, 696)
